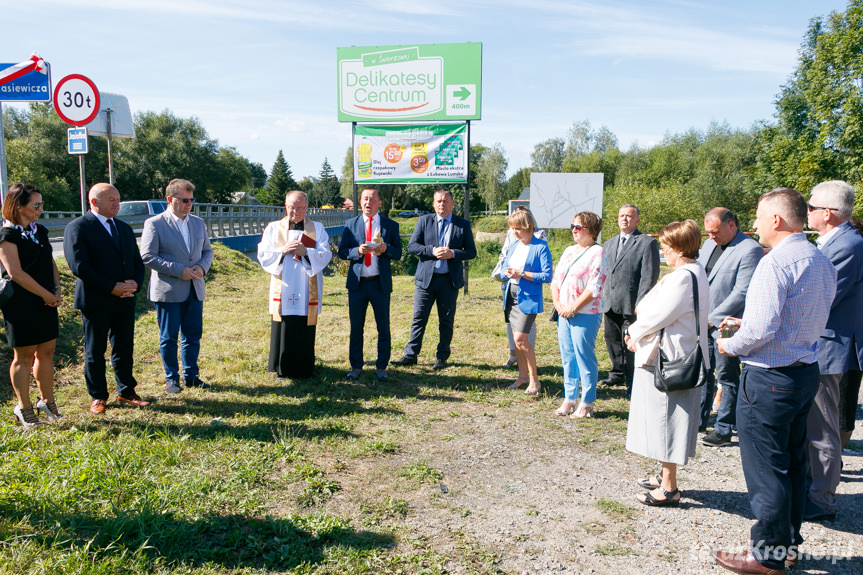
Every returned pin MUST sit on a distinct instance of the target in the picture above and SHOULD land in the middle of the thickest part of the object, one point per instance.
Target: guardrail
(223, 220)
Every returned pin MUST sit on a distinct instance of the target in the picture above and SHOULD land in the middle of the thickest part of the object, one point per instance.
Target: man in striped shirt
(787, 306)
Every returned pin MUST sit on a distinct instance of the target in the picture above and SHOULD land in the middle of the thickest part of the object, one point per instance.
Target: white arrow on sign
(76, 100)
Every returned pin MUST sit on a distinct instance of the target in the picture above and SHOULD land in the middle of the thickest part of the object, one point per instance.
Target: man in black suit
(369, 242)
(102, 253)
(633, 268)
(441, 241)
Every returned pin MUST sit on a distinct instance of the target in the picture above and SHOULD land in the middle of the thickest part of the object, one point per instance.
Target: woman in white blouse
(576, 291)
(662, 425)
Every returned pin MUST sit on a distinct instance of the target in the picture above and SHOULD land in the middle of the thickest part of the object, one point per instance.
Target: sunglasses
(578, 227)
(37, 205)
(186, 200)
(816, 208)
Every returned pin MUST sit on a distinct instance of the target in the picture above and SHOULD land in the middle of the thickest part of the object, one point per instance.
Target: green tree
(346, 185)
(280, 182)
(548, 156)
(259, 175)
(36, 154)
(819, 129)
(326, 189)
(491, 176)
(167, 147)
(234, 176)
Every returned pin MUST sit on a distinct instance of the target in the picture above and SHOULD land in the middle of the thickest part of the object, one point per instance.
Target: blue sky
(261, 74)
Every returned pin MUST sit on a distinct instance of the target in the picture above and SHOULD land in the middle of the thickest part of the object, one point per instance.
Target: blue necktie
(441, 242)
(115, 235)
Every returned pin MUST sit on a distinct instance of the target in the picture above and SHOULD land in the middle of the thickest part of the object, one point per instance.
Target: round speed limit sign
(76, 100)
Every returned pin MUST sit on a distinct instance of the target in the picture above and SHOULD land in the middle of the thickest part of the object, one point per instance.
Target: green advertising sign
(424, 82)
(418, 154)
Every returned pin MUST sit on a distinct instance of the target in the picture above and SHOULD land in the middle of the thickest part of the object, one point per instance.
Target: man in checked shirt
(787, 306)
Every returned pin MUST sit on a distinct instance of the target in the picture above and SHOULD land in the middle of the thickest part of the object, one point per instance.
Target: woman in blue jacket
(527, 266)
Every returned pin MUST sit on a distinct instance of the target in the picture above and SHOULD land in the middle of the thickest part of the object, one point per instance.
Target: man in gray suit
(633, 268)
(729, 257)
(176, 247)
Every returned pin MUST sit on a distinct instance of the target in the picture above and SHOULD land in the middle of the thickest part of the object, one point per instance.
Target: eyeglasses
(186, 200)
(37, 205)
(815, 208)
(578, 227)
(663, 248)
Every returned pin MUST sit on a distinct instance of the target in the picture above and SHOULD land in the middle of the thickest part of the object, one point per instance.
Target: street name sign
(27, 81)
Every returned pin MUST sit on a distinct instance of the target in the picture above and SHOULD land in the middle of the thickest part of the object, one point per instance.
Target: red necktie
(368, 257)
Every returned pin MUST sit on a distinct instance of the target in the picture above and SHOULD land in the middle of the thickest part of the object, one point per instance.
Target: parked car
(406, 214)
(141, 208)
(412, 214)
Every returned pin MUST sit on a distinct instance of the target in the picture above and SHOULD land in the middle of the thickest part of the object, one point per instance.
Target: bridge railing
(223, 220)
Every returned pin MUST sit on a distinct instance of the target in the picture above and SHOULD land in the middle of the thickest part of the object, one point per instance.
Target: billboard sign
(415, 154)
(420, 82)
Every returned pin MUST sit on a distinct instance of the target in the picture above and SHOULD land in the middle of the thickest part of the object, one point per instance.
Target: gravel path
(549, 494)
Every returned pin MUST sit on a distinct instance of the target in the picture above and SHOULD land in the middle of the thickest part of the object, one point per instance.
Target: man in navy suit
(441, 241)
(102, 253)
(729, 257)
(175, 245)
(369, 242)
(840, 347)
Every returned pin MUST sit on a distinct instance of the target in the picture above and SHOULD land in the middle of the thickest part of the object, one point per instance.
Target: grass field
(258, 475)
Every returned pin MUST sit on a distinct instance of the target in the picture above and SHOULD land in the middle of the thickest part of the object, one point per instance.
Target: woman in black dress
(31, 313)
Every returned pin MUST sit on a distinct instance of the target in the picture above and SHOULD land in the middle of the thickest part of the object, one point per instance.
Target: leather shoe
(133, 399)
(381, 374)
(173, 387)
(405, 360)
(353, 375)
(610, 381)
(744, 562)
(195, 382)
(439, 364)
(98, 406)
(815, 512)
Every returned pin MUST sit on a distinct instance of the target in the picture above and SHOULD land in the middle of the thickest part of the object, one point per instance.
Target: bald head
(105, 200)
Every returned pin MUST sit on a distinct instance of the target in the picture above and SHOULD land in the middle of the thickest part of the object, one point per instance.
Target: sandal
(533, 390)
(646, 484)
(669, 500)
(584, 410)
(518, 383)
(565, 409)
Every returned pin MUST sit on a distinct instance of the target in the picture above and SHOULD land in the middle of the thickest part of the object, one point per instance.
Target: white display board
(121, 117)
(556, 198)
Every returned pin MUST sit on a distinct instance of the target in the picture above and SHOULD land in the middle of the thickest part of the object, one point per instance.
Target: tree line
(816, 134)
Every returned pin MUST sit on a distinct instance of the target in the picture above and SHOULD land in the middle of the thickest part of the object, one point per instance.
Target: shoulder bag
(689, 371)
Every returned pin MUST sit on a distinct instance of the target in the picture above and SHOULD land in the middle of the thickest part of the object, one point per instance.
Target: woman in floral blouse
(576, 290)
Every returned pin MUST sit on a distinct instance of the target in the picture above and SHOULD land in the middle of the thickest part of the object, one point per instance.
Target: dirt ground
(548, 494)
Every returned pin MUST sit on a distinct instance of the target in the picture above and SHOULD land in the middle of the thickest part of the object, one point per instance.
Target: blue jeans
(186, 319)
(727, 374)
(577, 338)
(772, 410)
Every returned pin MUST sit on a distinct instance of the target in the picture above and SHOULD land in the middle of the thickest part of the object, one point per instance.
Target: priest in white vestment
(294, 251)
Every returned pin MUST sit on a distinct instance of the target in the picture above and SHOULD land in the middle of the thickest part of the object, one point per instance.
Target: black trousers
(118, 325)
(622, 360)
(440, 292)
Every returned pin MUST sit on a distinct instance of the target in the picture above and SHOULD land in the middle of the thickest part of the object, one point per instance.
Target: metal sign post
(4, 184)
(76, 101)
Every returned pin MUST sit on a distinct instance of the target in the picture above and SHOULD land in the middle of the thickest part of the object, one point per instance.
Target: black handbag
(6, 291)
(689, 371)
